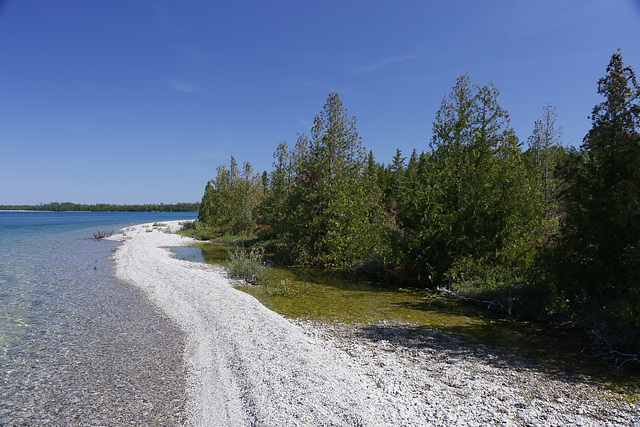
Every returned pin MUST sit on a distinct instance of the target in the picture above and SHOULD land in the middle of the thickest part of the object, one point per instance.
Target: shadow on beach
(452, 346)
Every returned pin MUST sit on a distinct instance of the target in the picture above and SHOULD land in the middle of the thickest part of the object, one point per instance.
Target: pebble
(315, 373)
(431, 361)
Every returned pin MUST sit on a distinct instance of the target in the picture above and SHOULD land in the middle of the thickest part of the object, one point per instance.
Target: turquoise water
(77, 346)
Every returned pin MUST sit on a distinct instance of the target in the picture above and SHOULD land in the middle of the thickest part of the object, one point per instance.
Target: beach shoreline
(250, 366)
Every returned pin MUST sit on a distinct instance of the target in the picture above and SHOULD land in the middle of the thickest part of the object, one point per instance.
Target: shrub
(247, 265)
(101, 234)
(189, 225)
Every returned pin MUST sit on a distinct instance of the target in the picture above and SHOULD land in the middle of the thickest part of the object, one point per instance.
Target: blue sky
(123, 101)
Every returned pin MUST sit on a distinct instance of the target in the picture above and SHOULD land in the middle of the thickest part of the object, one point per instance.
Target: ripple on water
(79, 347)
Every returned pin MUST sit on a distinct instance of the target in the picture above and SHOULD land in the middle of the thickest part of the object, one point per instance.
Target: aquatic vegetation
(102, 234)
(285, 288)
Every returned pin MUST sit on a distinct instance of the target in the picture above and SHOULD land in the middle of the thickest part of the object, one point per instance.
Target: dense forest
(103, 207)
(542, 230)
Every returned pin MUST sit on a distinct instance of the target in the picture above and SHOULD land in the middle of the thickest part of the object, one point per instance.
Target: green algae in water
(341, 296)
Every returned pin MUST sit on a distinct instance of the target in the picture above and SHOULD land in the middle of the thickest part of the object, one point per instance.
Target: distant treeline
(104, 207)
(541, 230)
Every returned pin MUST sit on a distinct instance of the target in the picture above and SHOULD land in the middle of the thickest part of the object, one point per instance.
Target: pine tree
(597, 261)
(332, 212)
(544, 154)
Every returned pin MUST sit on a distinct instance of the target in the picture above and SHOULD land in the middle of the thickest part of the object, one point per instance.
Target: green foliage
(596, 259)
(275, 207)
(189, 225)
(247, 265)
(320, 206)
(230, 200)
(469, 200)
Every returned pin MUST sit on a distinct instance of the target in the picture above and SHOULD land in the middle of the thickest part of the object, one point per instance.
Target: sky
(139, 101)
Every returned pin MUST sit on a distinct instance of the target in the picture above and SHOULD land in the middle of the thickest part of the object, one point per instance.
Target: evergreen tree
(395, 175)
(598, 253)
(273, 209)
(332, 213)
(471, 220)
(230, 200)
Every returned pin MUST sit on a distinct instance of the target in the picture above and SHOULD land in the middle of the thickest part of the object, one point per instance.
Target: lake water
(77, 346)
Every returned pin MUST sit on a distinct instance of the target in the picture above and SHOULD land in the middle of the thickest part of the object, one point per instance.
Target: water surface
(77, 346)
(338, 296)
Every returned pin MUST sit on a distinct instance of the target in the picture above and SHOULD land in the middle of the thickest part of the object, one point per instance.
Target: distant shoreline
(33, 210)
(103, 207)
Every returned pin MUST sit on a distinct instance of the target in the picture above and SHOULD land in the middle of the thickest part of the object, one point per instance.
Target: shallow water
(314, 294)
(77, 346)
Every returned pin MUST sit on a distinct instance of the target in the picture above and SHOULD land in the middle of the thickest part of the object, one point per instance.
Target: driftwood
(604, 349)
(489, 304)
(601, 348)
(102, 234)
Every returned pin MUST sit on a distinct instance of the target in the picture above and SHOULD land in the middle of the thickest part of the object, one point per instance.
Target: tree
(395, 176)
(471, 218)
(598, 254)
(273, 207)
(544, 154)
(330, 213)
(230, 200)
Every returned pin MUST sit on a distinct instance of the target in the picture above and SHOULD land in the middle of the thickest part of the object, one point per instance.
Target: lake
(77, 346)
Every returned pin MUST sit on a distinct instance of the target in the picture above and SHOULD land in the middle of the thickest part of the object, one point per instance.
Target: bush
(189, 225)
(101, 234)
(248, 265)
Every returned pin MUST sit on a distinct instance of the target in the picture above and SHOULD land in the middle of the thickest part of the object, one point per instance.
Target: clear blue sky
(138, 101)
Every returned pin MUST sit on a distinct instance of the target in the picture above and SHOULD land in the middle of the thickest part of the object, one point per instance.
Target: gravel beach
(247, 365)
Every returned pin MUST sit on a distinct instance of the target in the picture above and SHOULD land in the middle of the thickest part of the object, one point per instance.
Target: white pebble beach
(249, 366)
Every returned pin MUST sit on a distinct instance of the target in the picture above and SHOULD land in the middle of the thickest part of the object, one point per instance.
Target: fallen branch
(102, 234)
(602, 344)
(468, 299)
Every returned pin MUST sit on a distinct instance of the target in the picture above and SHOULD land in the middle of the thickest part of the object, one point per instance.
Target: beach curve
(247, 365)
(250, 366)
